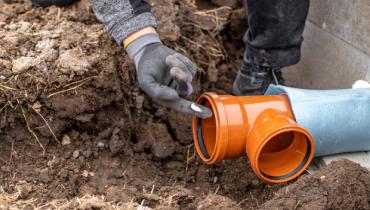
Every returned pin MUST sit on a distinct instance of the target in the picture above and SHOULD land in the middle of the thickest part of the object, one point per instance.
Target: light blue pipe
(338, 120)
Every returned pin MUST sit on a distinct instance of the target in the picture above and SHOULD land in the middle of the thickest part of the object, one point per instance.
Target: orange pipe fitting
(261, 127)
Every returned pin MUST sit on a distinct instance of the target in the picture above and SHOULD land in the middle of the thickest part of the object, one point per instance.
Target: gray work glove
(165, 75)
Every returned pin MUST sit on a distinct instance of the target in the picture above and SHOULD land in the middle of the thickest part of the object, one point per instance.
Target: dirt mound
(168, 198)
(342, 184)
(73, 120)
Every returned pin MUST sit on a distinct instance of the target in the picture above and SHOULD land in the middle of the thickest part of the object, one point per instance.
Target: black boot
(48, 3)
(273, 41)
(254, 80)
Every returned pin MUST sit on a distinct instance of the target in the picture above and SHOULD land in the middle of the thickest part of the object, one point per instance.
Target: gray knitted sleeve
(122, 18)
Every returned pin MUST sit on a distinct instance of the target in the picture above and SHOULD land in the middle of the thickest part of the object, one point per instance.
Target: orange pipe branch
(261, 127)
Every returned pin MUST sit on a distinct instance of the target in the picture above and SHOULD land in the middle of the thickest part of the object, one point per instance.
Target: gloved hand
(164, 74)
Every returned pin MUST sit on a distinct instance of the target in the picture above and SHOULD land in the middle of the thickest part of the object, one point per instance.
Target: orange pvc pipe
(262, 127)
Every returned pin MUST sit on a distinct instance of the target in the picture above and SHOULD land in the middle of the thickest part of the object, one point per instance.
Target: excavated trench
(76, 131)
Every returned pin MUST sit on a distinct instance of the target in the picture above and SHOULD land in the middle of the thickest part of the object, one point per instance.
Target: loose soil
(76, 131)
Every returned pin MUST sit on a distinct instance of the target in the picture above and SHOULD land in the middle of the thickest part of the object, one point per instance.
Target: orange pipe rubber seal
(261, 127)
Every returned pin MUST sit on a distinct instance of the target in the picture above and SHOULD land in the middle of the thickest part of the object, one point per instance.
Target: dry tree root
(24, 115)
(83, 82)
(3, 107)
(45, 122)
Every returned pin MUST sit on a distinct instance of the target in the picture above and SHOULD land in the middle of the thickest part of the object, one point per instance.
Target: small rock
(86, 190)
(255, 182)
(45, 44)
(25, 189)
(66, 140)
(92, 174)
(72, 178)
(37, 106)
(54, 36)
(6, 168)
(96, 154)
(212, 72)
(150, 120)
(100, 144)
(116, 131)
(74, 135)
(6, 73)
(115, 144)
(56, 161)
(13, 39)
(64, 44)
(71, 60)
(76, 154)
(42, 67)
(160, 112)
(2, 24)
(31, 54)
(87, 153)
(50, 163)
(15, 155)
(22, 64)
(140, 146)
(44, 176)
(121, 123)
(84, 118)
(322, 178)
(63, 175)
(82, 161)
(85, 173)
(85, 137)
(23, 51)
(163, 145)
(49, 55)
(13, 26)
(215, 179)
(67, 155)
(6, 64)
(24, 26)
(21, 182)
(3, 54)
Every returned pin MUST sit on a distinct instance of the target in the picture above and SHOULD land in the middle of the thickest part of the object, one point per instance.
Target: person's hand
(165, 75)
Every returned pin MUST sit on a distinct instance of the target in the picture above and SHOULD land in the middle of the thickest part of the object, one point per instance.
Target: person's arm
(162, 73)
(122, 18)
(138, 33)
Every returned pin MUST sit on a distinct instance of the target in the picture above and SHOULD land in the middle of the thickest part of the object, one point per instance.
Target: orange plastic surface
(262, 127)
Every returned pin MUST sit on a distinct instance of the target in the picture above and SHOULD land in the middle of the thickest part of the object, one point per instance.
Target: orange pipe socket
(262, 127)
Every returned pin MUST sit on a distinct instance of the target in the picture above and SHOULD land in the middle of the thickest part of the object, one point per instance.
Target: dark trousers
(275, 31)
(47, 3)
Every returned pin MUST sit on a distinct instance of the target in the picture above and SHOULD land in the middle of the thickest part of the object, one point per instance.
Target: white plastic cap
(361, 84)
